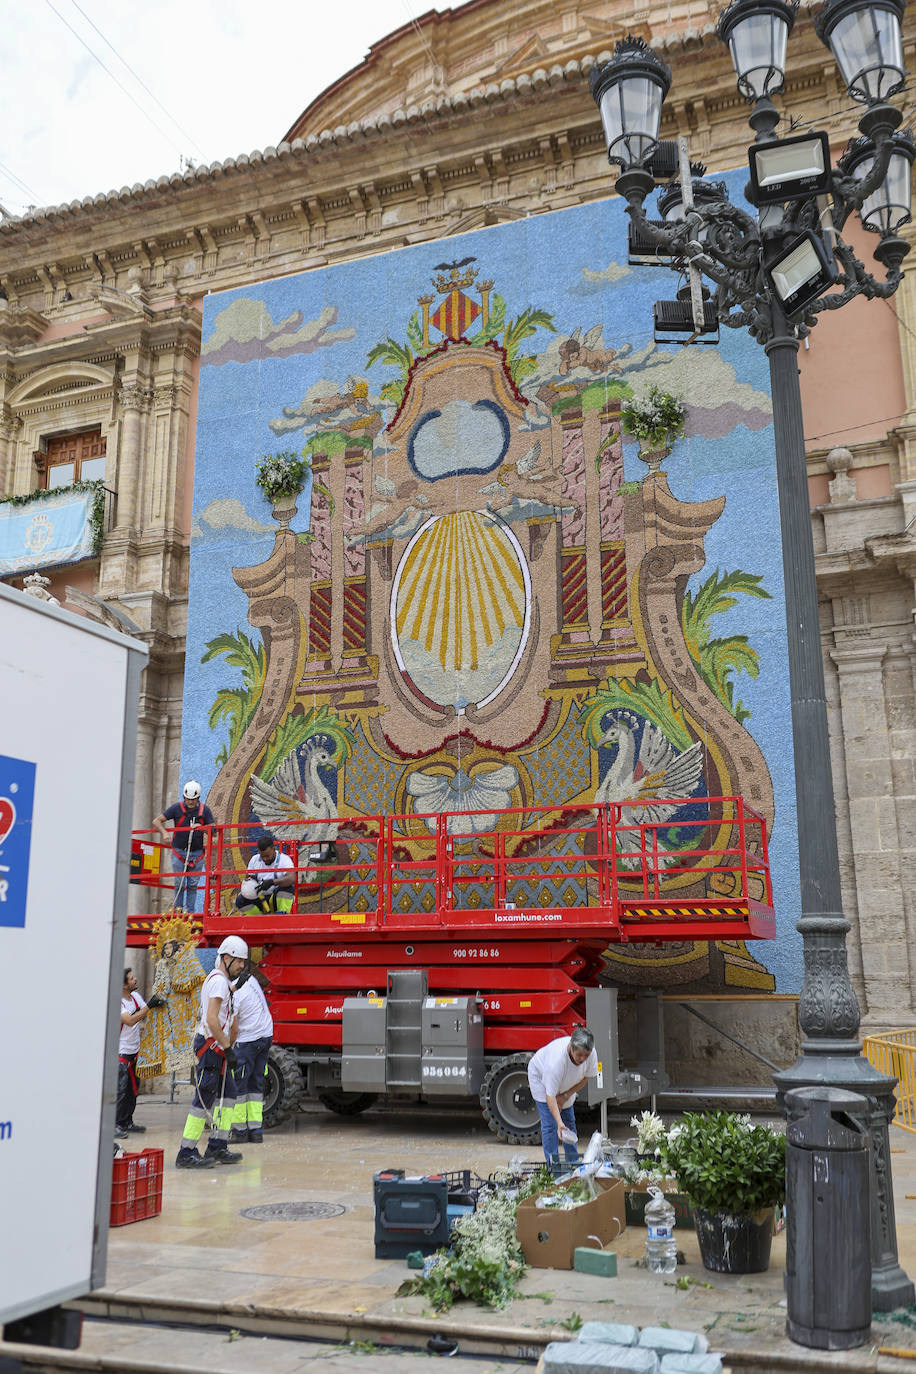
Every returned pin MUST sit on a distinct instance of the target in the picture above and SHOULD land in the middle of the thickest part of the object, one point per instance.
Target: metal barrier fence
(895, 1053)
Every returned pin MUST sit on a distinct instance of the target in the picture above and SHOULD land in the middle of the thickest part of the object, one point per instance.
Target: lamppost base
(842, 1065)
(818, 1339)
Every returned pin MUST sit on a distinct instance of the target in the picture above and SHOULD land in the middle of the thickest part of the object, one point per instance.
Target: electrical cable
(118, 83)
(438, 73)
(139, 80)
(19, 182)
(795, 124)
(866, 424)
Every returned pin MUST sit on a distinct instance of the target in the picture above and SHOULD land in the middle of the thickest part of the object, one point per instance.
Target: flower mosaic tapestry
(432, 571)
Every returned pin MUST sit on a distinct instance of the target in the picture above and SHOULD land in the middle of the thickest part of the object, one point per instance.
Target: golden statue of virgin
(166, 1045)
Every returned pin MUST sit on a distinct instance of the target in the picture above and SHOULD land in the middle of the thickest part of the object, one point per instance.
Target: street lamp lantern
(629, 91)
(671, 198)
(889, 206)
(773, 273)
(864, 37)
(757, 32)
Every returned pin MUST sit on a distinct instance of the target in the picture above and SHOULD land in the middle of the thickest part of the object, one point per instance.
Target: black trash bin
(828, 1219)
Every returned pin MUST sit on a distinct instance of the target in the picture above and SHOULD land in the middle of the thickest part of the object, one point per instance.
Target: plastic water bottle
(661, 1247)
(594, 1149)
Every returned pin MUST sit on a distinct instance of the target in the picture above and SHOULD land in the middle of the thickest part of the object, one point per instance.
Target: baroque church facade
(471, 120)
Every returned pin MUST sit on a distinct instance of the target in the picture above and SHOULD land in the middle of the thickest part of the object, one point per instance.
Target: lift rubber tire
(346, 1104)
(283, 1086)
(505, 1099)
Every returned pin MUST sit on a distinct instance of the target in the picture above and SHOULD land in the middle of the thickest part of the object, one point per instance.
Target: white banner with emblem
(47, 531)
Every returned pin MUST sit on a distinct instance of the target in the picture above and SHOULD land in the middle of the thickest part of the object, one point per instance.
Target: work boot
(134, 1128)
(255, 1135)
(223, 1156)
(238, 1135)
(190, 1159)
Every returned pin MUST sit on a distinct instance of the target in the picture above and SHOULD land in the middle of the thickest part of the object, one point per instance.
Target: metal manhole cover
(293, 1211)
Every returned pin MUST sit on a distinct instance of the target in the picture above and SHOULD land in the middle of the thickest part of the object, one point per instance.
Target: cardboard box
(549, 1238)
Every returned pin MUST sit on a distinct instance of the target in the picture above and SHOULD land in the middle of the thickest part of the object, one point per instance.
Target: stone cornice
(20, 326)
(866, 658)
(172, 201)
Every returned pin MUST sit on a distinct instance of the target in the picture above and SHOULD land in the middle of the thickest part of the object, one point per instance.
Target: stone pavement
(320, 1277)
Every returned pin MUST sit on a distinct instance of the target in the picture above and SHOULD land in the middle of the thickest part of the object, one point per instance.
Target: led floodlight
(801, 272)
(790, 168)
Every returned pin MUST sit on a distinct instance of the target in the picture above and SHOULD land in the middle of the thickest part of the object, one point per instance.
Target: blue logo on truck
(17, 798)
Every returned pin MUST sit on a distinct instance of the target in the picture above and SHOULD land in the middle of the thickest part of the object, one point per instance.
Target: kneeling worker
(555, 1074)
(214, 1097)
(271, 879)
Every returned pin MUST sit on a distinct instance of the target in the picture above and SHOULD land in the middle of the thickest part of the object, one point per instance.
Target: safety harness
(211, 1043)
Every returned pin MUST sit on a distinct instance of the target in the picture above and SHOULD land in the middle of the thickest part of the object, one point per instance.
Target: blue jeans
(186, 885)
(550, 1137)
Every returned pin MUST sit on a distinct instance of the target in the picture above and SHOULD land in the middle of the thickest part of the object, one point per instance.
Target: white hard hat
(234, 946)
(191, 791)
(250, 889)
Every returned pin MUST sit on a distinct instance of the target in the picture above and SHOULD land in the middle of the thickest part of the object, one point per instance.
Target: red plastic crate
(136, 1187)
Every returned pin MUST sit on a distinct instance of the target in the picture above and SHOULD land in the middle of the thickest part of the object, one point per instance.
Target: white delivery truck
(68, 716)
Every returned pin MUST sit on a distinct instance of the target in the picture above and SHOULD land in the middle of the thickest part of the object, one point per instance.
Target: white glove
(568, 1137)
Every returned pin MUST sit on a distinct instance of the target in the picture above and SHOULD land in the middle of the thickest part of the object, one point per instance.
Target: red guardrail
(603, 870)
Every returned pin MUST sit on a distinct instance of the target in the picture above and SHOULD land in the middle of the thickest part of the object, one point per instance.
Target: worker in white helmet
(189, 816)
(214, 1095)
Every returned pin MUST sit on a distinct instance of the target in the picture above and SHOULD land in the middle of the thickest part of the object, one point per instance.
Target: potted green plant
(735, 1176)
(651, 1167)
(655, 420)
(281, 476)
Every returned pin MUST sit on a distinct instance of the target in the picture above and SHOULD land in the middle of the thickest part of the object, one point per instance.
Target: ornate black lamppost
(772, 274)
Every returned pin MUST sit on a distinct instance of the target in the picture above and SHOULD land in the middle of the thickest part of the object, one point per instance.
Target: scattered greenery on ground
(573, 1322)
(484, 1262)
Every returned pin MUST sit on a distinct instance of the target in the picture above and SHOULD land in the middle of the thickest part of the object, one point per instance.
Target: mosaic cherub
(529, 478)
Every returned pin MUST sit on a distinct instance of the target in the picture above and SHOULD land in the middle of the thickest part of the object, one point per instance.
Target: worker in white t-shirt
(256, 1030)
(133, 1012)
(270, 882)
(214, 1096)
(555, 1074)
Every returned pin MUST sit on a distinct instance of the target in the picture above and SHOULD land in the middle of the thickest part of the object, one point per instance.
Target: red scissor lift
(514, 908)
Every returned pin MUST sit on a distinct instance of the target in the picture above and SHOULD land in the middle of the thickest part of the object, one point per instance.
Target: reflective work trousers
(249, 1083)
(213, 1084)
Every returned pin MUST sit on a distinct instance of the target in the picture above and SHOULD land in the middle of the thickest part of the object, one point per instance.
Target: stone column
(134, 402)
(10, 425)
(887, 959)
(139, 898)
(844, 828)
(905, 429)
